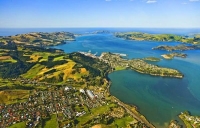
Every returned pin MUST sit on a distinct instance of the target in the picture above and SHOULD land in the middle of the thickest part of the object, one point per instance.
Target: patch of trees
(11, 70)
(98, 70)
(10, 45)
(16, 87)
(196, 39)
(50, 80)
(37, 40)
(93, 65)
(50, 71)
(41, 49)
(50, 64)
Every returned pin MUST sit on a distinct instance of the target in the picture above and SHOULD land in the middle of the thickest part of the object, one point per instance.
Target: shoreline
(130, 108)
(130, 105)
(158, 74)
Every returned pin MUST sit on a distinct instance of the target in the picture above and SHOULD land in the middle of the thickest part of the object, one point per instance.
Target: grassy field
(7, 83)
(19, 125)
(33, 71)
(52, 123)
(7, 59)
(94, 113)
(13, 96)
(58, 58)
(120, 122)
(41, 72)
(34, 57)
(119, 68)
(123, 122)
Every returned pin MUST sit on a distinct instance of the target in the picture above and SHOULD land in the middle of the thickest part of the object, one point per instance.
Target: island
(158, 37)
(174, 54)
(151, 59)
(177, 47)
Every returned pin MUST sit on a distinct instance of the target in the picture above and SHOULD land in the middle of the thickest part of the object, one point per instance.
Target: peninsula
(158, 37)
(41, 39)
(176, 48)
(139, 65)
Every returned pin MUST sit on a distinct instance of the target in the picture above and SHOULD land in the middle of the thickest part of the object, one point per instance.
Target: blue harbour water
(159, 99)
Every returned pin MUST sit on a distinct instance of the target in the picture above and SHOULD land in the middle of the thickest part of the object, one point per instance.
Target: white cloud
(151, 1)
(193, 0)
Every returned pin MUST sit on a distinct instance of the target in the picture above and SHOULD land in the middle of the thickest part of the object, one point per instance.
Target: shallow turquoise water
(159, 99)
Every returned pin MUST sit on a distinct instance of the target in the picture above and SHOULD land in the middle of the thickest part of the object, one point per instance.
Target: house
(82, 90)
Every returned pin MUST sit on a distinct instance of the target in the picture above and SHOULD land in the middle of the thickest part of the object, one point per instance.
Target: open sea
(159, 99)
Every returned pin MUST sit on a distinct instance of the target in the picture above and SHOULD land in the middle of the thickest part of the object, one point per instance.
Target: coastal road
(134, 115)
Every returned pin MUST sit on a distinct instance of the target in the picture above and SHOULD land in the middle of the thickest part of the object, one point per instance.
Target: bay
(157, 98)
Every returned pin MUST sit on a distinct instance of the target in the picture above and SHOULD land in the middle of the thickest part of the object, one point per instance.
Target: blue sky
(100, 13)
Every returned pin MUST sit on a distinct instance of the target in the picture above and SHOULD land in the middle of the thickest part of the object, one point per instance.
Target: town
(66, 102)
(69, 106)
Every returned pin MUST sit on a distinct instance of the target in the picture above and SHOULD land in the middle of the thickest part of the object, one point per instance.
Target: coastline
(130, 108)
(125, 103)
(159, 74)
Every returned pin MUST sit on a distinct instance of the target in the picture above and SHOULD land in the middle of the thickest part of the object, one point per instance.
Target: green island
(190, 121)
(177, 47)
(45, 87)
(151, 59)
(158, 37)
(139, 65)
(174, 54)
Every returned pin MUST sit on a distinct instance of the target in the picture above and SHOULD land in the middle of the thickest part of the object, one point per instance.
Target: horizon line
(103, 27)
